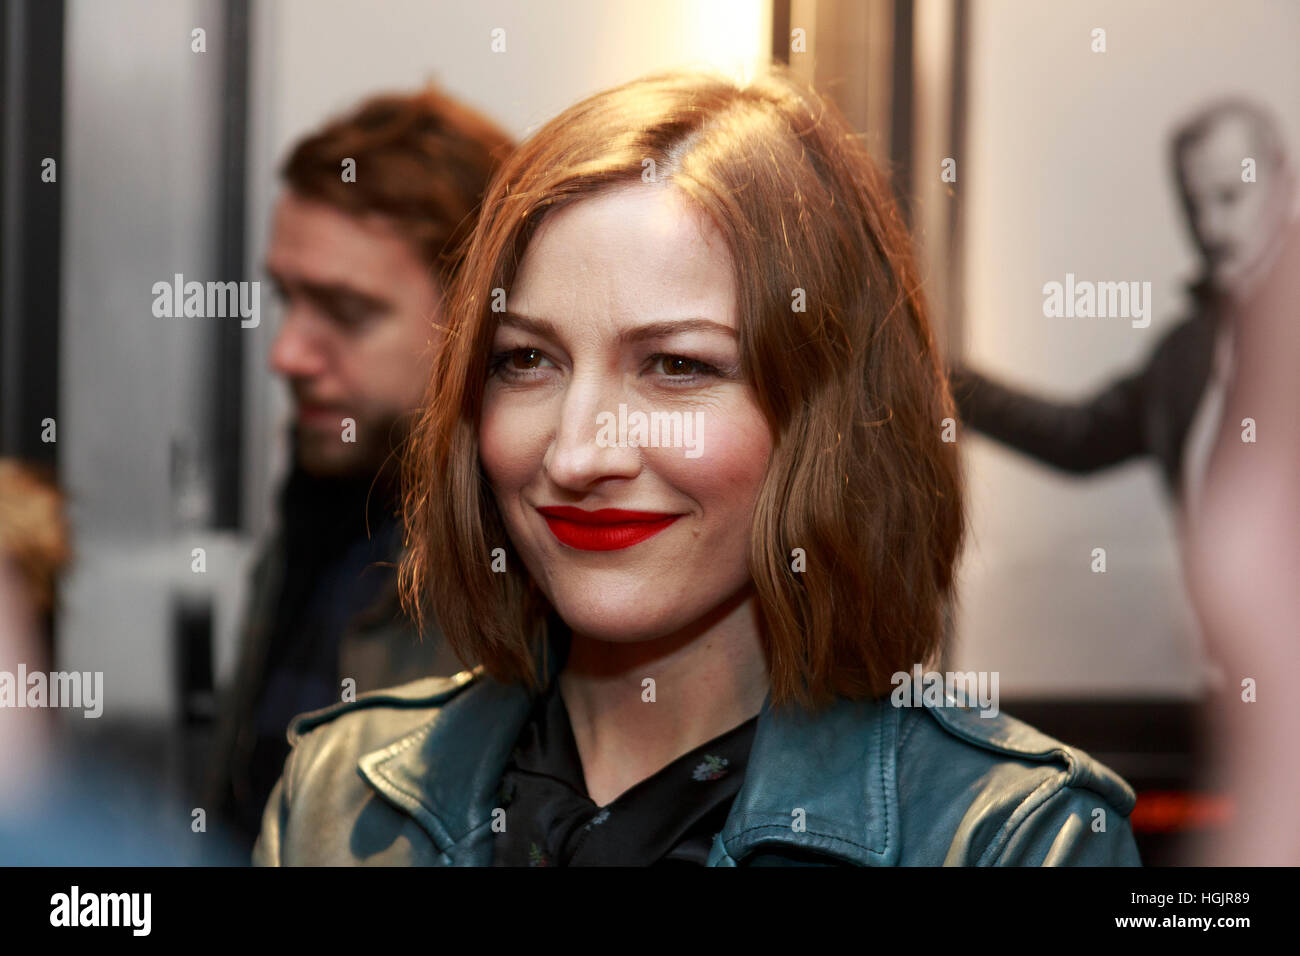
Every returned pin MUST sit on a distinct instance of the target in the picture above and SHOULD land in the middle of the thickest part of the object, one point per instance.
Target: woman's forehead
(630, 252)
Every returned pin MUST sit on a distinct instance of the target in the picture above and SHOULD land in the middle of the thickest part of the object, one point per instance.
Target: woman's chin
(620, 623)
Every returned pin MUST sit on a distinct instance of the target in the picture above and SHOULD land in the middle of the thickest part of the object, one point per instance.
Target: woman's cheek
(505, 440)
(491, 448)
(734, 446)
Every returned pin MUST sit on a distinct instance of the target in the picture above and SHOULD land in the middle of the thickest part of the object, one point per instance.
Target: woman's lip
(609, 529)
(604, 516)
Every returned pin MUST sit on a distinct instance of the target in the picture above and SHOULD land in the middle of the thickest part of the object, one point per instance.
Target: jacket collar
(823, 782)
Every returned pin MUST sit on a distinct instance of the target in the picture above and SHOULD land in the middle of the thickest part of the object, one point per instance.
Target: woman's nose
(586, 445)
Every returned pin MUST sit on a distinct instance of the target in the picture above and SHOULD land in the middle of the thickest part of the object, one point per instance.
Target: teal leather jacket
(409, 776)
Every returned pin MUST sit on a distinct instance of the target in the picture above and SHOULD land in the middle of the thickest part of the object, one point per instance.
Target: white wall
(1066, 171)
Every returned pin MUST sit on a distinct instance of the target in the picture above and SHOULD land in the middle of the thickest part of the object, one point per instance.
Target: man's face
(1233, 222)
(357, 336)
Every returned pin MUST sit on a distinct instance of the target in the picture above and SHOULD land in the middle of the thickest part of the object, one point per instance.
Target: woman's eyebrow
(650, 330)
(662, 329)
(525, 323)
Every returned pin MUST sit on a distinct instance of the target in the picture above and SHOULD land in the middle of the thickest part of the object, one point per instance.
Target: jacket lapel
(446, 773)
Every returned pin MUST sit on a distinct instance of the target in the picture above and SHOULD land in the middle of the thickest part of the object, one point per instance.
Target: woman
(681, 488)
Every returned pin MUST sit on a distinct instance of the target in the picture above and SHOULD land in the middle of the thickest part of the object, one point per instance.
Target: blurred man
(365, 240)
(1169, 408)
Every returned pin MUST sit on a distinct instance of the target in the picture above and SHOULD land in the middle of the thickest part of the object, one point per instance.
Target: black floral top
(669, 818)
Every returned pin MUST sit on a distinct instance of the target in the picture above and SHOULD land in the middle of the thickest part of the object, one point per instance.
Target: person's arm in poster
(1078, 437)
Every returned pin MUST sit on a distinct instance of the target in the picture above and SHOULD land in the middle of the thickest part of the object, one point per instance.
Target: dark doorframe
(31, 95)
(228, 406)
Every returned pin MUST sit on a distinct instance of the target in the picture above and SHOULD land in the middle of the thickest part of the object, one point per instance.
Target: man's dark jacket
(1148, 412)
(379, 647)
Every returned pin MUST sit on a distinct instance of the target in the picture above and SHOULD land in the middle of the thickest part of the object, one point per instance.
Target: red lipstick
(609, 529)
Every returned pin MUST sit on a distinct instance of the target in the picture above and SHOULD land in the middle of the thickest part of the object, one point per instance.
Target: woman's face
(616, 384)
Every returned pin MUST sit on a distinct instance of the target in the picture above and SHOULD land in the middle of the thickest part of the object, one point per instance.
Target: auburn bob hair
(860, 477)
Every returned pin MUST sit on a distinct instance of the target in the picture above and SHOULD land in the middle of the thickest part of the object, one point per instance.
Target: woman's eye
(516, 362)
(520, 364)
(524, 358)
(679, 366)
